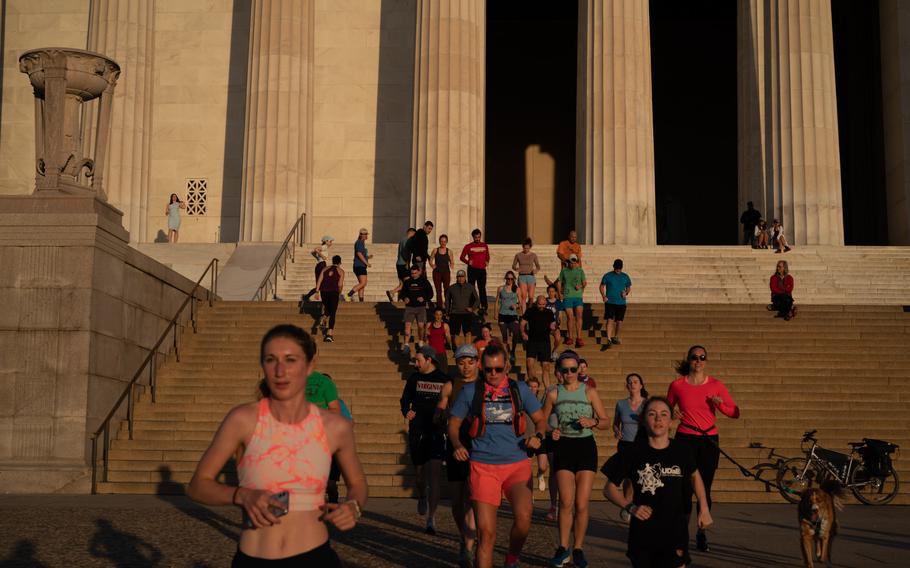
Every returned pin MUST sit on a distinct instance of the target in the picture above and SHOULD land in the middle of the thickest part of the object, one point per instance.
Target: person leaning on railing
(284, 423)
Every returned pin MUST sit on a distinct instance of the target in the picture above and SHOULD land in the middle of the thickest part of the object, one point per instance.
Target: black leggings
(322, 556)
(783, 303)
(478, 276)
(706, 451)
(330, 306)
(318, 270)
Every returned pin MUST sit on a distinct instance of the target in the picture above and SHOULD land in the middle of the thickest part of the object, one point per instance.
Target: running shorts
(489, 481)
(360, 270)
(426, 445)
(415, 314)
(322, 556)
(457, 471)
(461, 324)
(539, 350)
(402, 270)
(527, 279)
(507, 319)
(570, 303)
(575, 454)
(615, 312)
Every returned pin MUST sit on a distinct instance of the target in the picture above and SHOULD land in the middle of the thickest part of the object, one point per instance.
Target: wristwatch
(630, 508)
(357, 512)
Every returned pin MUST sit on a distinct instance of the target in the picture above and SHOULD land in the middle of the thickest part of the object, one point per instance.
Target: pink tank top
(288, 457)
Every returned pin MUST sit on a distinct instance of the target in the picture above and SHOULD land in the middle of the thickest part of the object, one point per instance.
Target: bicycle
(762, 467)
(867, 471)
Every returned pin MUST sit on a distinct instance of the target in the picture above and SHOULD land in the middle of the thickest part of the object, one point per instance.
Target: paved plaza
(145, 531)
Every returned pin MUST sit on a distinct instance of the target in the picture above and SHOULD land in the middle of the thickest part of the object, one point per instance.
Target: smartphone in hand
(283, 497)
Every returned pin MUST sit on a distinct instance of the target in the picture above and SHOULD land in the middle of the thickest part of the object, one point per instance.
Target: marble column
(277, 157)
(614, 191)
(895, 52)
(124, 31)
(789, 160)
(447, 184)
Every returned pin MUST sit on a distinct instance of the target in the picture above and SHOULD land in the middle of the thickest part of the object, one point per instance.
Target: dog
(818, 508)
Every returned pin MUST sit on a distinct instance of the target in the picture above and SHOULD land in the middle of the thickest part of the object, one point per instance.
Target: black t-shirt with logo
(421, 394)
(538, 323)
(661, 480)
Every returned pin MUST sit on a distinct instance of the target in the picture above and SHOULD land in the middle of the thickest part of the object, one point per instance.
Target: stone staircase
(843, 370)
(674, 274)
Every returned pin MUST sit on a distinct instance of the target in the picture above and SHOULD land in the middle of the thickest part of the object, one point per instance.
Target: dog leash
(742, 469)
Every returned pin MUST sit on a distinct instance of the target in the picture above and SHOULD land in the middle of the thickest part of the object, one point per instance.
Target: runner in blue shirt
(614, 289)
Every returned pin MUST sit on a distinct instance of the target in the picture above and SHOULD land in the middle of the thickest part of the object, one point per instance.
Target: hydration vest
(478, 416)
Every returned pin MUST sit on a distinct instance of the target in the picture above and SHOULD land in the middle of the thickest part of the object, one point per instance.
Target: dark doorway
(858, 79)
(693, 74)
(530, 120)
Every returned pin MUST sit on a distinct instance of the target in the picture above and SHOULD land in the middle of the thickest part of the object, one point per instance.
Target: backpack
(478, 417)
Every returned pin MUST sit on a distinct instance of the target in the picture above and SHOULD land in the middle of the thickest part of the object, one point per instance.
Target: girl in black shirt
(660, 472)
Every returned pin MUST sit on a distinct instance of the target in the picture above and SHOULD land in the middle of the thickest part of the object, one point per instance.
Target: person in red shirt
(476, 255)
(782, 292)
(698, 397)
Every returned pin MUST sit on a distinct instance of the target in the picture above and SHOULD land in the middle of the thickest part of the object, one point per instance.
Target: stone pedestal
(80, 311)
(895, 53)
(448, 153)
(614, 196)
(789, 161)
(277, 157)
(124, 30)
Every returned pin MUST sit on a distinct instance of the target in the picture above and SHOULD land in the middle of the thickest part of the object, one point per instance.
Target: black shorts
(426, 445)
(575, 454)
(403, 272)
(539, 350)
(334, 471)
(614, 312)
(457, 471)
(322, 556)
(507, 319)
(650, 557)
(461, 323)
(360, 270)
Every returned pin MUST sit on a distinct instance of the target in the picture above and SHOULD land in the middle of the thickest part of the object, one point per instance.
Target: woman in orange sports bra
(287, 446)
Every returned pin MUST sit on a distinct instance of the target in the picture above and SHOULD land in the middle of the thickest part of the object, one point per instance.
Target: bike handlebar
(810, 435)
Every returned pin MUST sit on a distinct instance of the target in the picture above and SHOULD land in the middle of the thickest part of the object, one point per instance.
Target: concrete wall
(28, 24)
(81, 310)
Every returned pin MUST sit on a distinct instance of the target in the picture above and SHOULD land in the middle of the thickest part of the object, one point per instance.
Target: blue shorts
(570, 303)
(527, 279)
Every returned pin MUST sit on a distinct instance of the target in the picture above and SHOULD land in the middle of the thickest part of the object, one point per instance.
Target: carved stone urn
(64, 79)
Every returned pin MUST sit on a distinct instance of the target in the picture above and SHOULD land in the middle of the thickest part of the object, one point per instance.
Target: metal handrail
(150, 360)
(280, 264)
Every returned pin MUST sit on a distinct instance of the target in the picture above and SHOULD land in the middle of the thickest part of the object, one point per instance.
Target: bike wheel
(874, 489)
(793, 478)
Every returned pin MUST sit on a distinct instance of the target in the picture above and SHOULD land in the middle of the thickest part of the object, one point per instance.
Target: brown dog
(818, 521)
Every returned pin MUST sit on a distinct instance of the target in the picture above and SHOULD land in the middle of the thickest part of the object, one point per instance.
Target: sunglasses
(569, 370)
(509, 278)
(493, 370)
(694, 357)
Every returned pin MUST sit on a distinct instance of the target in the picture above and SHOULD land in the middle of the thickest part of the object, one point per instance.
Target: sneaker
(554, 356)
(701, 542)
(606, 345)
(329, 339)
(560, 558)
(422, 506)
(786, 249)
(388, 294)
(569, 342)
(770, 307)
(465, 558)
(579, 343)
(360, 299)
(578, 558)
(615, 341)
(406, 349)
(541, 482)
(626, 516)
(430, 528)
(552, 514)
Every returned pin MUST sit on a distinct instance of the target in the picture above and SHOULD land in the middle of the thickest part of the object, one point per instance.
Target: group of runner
(487, 427)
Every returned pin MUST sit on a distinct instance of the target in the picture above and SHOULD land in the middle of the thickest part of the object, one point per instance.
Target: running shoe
(615, 341)
(541, 483)
(569, 342)
(554, 356)
(422, 506)
(579, 343)
(406, 349)
(606, 344)
(561, 558)
(552, 514)
(578, 558)
(329, 339)
(430, 528)
(388, 293)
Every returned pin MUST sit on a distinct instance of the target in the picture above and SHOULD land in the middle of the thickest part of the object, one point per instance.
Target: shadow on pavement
(172, 492)
(122, 549)
(23, 555)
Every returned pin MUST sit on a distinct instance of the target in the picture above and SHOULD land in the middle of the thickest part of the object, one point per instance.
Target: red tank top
(437, 338)
(330, 279)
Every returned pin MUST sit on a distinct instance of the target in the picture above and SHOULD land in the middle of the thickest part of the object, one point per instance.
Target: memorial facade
(384, 113)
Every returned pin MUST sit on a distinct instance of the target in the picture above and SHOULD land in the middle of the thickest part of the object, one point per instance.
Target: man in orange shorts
(498, 456)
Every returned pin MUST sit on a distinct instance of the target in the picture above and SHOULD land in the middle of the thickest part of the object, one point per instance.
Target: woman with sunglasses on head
(663, 475)
(507, 308)
(287, 445)
(699, 397)
(578, 410)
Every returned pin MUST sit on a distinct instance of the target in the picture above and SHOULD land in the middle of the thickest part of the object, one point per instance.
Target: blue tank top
(508, 302)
